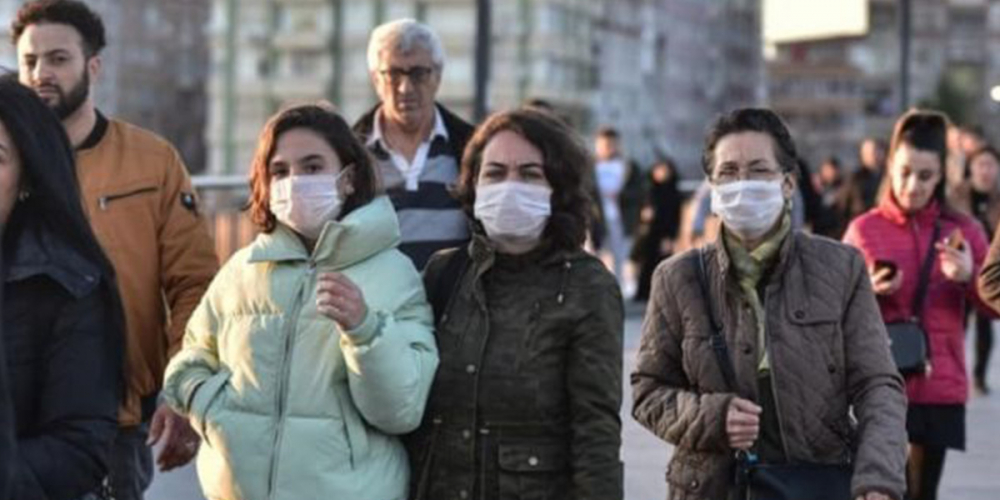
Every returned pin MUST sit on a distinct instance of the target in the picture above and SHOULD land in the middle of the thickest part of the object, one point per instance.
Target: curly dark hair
(752, 120)
(323, 120)
(70, 12)
(565, 161)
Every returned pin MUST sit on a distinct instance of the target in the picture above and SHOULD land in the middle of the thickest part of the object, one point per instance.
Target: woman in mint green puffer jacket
(313, 347)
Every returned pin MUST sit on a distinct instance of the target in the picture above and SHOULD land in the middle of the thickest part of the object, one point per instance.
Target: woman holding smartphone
(912, 224)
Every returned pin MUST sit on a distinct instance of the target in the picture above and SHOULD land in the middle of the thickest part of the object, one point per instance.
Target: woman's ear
(347, 180)
(788, 186)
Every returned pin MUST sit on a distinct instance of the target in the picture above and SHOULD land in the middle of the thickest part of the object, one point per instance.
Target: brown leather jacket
(828, 350)
(144, 212)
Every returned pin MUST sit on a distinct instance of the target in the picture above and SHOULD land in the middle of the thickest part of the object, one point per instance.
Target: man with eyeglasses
(416, 142)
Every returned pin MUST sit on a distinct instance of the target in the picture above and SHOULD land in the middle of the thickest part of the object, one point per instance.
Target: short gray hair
(404, 35)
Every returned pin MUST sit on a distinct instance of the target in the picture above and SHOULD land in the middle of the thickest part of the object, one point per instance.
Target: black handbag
(760, 481)
(908, 339)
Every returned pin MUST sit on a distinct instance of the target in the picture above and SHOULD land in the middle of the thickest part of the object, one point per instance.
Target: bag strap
(447, 279)
(925, 273)
(718, 341)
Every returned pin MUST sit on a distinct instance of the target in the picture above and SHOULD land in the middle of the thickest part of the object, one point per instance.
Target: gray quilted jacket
(829, 354)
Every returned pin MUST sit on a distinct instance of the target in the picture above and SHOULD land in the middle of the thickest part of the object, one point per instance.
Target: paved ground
(973, 475)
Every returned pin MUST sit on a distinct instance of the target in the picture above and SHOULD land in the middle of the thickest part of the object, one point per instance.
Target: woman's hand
(886, 281)
(339, 299)
(742, 423)
(956, 264)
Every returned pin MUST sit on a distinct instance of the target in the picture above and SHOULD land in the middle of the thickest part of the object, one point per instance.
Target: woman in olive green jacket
(313, 346)
(526, 403)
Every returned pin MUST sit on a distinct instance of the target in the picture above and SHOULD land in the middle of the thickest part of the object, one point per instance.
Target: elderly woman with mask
(752, 344)
(525, 403)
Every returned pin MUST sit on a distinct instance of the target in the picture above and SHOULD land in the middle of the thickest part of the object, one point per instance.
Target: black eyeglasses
(417, 74)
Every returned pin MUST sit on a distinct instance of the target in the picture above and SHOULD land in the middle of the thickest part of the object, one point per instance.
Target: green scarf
(750, 267)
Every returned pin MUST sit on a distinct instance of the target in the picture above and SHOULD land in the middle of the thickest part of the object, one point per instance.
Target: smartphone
(886, 264)
(955, 240)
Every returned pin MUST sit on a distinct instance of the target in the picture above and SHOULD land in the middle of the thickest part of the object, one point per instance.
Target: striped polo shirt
(430, 218)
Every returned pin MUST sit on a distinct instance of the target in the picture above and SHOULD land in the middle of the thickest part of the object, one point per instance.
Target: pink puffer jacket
(887, 233)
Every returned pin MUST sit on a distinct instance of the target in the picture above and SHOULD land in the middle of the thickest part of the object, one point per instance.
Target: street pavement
(972, 475)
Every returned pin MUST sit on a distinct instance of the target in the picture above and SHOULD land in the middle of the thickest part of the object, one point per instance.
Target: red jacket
(887, 233)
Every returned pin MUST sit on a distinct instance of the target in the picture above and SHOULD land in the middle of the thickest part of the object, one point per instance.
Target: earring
(23, 195)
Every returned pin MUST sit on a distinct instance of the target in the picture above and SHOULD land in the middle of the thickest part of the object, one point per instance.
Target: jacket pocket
(533, 471)
(118, 195)
(686, 478)
(205, 399)
(355, 429)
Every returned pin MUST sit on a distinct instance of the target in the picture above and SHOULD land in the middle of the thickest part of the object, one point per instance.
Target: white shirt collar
(376, 136)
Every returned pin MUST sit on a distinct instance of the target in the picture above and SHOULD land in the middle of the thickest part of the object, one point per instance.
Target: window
(305, 62)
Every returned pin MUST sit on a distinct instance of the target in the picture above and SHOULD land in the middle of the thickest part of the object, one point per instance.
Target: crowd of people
(424, 312)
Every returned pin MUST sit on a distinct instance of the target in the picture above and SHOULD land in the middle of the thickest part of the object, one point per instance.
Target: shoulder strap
(925, 273)
(717, 339)
(446, 281)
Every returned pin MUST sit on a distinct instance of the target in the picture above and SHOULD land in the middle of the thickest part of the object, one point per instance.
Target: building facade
(638, 65)
(153, 70)
(954, 63)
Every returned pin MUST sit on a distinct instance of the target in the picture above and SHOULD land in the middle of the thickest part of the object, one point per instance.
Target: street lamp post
(483, 38)
(904, 55)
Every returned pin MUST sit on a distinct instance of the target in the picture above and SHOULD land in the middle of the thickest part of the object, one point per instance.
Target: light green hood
(365, 232)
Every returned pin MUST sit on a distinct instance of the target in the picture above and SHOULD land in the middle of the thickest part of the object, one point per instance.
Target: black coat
(62, 330)
(6, 417)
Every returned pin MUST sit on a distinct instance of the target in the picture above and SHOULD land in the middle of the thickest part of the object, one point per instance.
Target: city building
(954, 64)
(644, 66)
(154, 67)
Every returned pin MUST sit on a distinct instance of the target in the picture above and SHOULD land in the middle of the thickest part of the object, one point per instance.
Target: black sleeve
(78, 402)
(6, 418)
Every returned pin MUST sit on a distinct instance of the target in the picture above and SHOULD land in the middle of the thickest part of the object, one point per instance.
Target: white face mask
(306, 203)
(514, 214)
(749, 208)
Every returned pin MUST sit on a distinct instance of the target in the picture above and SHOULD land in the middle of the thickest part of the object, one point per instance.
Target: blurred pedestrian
(828, 182)
(962, 142)
(596, 230)
(62, 321)
(313, 347)
(660, 223)
(751, 344)
(979, 196)
(526, 401)
(417, 143)
(703, 223)
(621, 187)
(860, 192)
(145, 215)
(922, 256)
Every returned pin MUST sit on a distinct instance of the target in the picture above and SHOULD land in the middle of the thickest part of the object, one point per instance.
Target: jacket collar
(459, 132)
(890, 209)
(364, 232)
(377, 136)
(38, 252)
